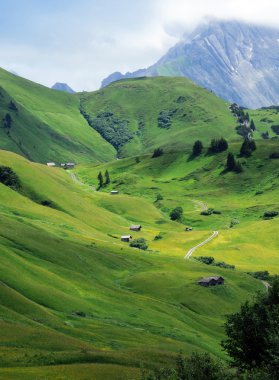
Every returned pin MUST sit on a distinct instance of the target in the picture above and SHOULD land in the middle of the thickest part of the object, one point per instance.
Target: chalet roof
(208, 279)
(126, 237)
(135, 226)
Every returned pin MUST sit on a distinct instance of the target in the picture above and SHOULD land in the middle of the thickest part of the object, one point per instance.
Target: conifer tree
(230, 162)
(107, 178)
(101, 180)
(197, 148)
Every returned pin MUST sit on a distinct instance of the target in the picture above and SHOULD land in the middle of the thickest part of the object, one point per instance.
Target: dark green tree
(107, 178)
(101, 180)
(247, 148)
(157, 152)
(176, 213)
(253, 333)
(12, 106)
(218, 145)
(7, 121)
(197, 148)
(238, 167)
(9, 178)
(230, 162)
(252, 125)
(140, 243)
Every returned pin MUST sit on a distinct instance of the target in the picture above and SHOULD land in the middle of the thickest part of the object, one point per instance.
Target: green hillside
(75, 299)
(138, 115)
(46, 125)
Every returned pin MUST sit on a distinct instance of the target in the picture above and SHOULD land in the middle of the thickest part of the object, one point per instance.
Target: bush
(208, 260)
(176, 213)
(159, 198)
(158, 237)
(197, 148)
(218, 145)
(274, 155)
(207, 212)
(247, 148)
(260, 275)
(157, 152)
(270, 214)
(9, 178)
(164, 119)
(140, 243)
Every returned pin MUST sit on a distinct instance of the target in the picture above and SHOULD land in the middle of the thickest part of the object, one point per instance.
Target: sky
(80, 42)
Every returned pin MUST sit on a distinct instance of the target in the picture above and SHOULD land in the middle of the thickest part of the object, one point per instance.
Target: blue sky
(81, 42)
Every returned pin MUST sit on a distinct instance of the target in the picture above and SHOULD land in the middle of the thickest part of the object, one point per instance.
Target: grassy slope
(200, 114)
(139, 307)
(250, 245)
(48, 125)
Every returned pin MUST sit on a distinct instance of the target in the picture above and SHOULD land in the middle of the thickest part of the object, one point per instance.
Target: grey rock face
(63, 87)
(237, 61)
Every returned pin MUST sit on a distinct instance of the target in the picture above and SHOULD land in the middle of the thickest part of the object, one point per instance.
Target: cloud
(82, 42)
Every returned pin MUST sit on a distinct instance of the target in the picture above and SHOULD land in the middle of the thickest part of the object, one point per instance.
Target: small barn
(51, 164)
(189, 229)
(211, 281)
(135, 227)
(70, 165)
(126, 238)
(114, 192)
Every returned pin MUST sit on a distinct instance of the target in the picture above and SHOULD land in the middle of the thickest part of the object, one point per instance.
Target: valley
(76, 301)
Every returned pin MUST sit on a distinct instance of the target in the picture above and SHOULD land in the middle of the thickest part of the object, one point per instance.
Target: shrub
(275, 129)
(159, 197)
(207, 212)
(176, 213)
(247, 148)
(158, 237)
(260, 275)
(238, 167)
(208, 260)
(157, 152)
(164, 119)
(270, 214)
(140, 243)
(197, 148)
(274, 155)
(218, 145)
(9, 178)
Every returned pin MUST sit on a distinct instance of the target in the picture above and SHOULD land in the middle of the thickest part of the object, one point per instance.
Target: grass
(48, 125)
(82, 296)
(140, 101)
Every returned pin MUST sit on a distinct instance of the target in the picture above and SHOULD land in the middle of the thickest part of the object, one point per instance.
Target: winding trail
(76, 180)
(192, 250)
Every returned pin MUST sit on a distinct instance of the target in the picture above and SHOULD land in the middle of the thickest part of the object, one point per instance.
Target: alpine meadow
(139, 222)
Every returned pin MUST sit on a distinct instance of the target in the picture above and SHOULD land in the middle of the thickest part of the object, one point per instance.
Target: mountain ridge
(235, 60)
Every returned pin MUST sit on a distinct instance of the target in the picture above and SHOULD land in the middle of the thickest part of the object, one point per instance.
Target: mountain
(237, 61)
(46, 125)
(138, 115)
(63, 87)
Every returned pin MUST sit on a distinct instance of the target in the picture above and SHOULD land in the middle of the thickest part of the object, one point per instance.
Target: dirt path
(192, 250)
(76, 180)
(202, 205)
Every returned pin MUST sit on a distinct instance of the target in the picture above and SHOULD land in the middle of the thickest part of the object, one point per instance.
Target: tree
(253, 333)
(238, 167)
(107, 178)
(7, 121)
(101, 180)
(247, 147)
(197, 148)
(218, 145)
(176, 213)
(230, 162)
(140, 243)
(12, 106)
(9, 178)
(157, 152)
(252, 125)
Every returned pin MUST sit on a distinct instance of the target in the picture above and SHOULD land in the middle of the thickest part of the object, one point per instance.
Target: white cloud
(84, 44)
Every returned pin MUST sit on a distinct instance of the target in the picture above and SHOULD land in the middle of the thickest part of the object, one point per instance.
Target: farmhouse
(135, 227)
(51, 164)
(211, 281)
(67, 165)
(126, 238)
(114, 192)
